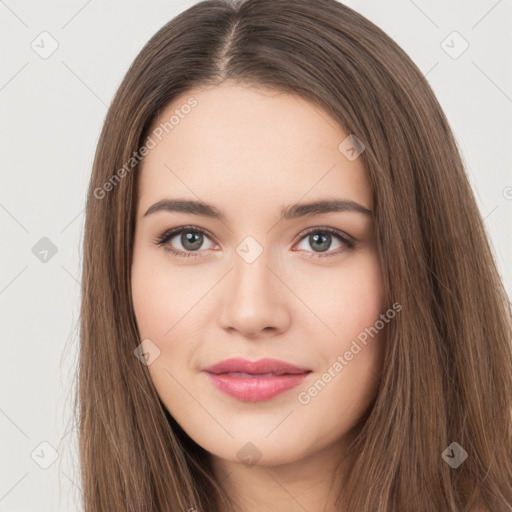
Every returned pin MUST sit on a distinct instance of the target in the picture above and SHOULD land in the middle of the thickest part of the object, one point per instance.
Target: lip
(255, 381)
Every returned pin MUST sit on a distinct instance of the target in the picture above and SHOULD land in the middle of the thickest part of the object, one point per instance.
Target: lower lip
(255, 389)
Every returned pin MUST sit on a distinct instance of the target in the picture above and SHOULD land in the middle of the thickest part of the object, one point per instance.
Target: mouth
(255, 381)
(260, 367)
(253, 375)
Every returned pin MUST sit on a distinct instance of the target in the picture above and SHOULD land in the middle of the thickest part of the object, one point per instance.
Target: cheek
(165, 301)
(160, 296)
(148, 303)
(160, 301)
(347, 299)
(352, 358)
(351, 303)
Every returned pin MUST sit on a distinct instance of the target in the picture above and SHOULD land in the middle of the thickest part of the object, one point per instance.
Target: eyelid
(326, 229)
(166, 236)
(161, 240)
(349, 241)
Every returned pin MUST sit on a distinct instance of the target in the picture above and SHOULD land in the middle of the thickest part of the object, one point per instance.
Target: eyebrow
(290, 212)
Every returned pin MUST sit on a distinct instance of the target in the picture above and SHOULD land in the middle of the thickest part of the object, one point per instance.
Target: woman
(289, 300)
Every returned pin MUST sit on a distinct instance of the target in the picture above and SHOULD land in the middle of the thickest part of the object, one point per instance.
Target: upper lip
(261, 366)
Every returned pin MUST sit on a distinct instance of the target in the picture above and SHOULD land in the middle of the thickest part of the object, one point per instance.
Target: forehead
(249, 147)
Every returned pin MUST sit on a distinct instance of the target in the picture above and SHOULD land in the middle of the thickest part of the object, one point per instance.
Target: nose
(255, 301)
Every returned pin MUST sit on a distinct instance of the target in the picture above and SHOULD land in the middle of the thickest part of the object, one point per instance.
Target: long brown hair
(447, 374)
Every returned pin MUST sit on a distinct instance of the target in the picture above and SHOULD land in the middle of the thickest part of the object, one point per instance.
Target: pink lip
(263, 379)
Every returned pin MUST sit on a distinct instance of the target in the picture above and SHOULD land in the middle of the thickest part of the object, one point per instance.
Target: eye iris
(322, 238)
(191, 241)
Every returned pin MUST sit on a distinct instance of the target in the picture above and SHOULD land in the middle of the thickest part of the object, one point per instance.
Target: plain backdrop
(52, 109)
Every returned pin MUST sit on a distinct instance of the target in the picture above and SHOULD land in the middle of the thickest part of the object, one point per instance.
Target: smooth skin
(251, 152)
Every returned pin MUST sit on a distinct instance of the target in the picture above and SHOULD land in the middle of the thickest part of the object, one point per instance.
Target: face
(257, 275)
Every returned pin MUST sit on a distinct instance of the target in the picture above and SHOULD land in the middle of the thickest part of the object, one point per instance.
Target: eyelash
(168, 235)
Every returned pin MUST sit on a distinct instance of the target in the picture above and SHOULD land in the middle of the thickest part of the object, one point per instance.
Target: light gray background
(51, 114)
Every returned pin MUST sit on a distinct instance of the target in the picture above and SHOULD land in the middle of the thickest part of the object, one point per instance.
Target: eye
(321, 238)
(190, 238)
